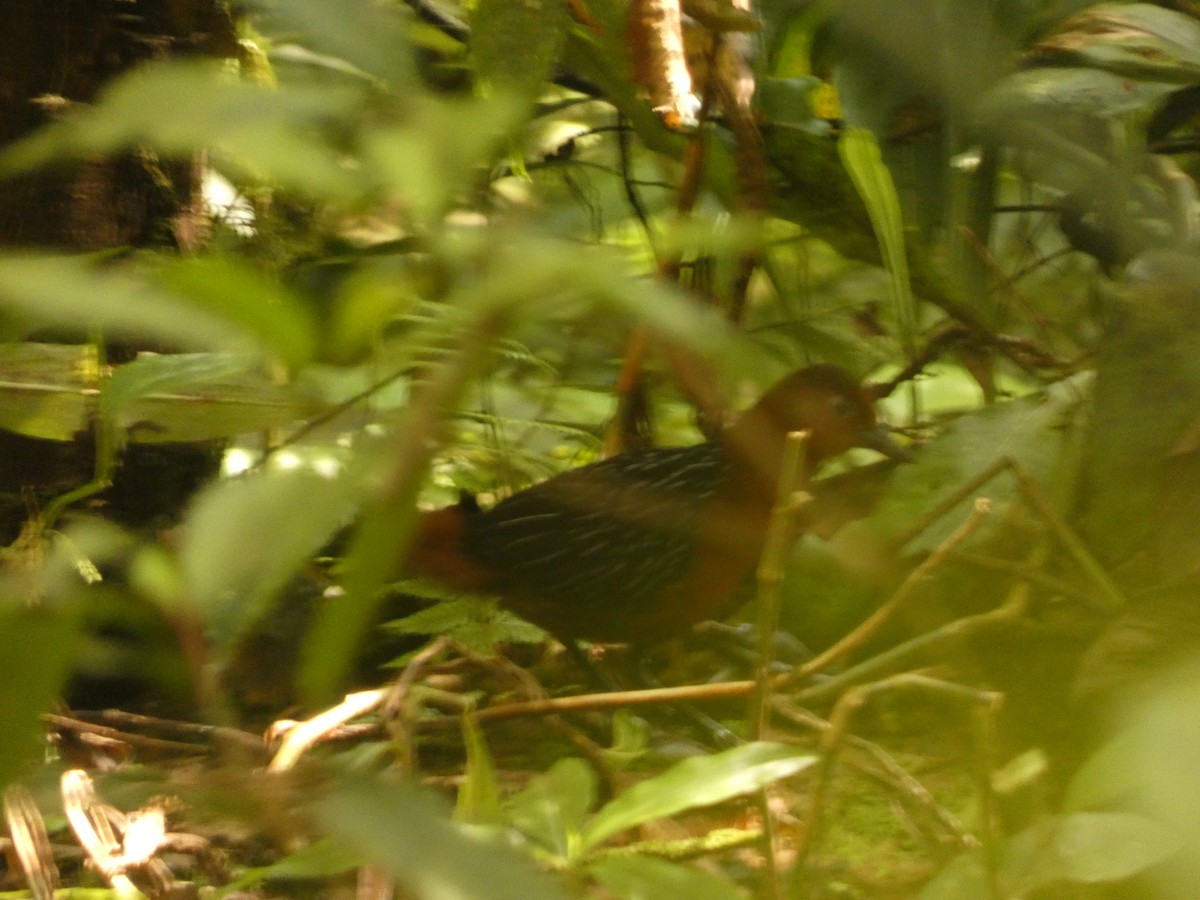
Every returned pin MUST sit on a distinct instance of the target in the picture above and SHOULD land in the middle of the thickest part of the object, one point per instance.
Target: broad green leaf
(320, 859)
(539, 276)
(474, 622)
(515, 44)
(552, 807)
(1054, 92)
(1107, 778)
(407, 831)
(860, 153)
(371, 37)
(1140, 466)
(963, 878)
(196, 396)
(48, 391)
(1132, 40)
(244, 538)
(1097, 847)
(648, 878)
(73, 292)
(1079, 848)
(54, 392)
(789, 101)
(428, 160)
(241, 294)
(258, 131)
(1041, 432)
(700, 781)
(38, 645)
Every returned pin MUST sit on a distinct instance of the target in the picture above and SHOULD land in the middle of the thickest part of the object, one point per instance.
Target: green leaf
(963, 878)
(1132, 40)
(515, 44)
(371, 37)
(47, 391)
(406, 831)
(1098, 847)
(478, 801)
(320, 859)
(1081, 848)
(240, 293)
(860, 154)
(196, 396)
(244, 538)
(1041, 432)
(552, 807)
(474, 622)
(255, 130)
(647, 878)
(38, 645)
(700, 781)
(1107, 778)
(427, 161)
(74, 292)
(1055, 92)
(789, 101)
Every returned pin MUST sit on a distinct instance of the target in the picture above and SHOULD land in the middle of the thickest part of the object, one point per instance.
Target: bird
(640, 547)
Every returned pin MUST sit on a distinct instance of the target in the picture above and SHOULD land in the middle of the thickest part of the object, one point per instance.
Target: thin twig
(608, 700)
(831, 740)
(837, 736)
(915, 579)
(398, 710)
(1113, 598)
(770, 577)
(908, 653)
(882, 767)
(771, 574)
(302, 736)
(958, 496)
(66, 723)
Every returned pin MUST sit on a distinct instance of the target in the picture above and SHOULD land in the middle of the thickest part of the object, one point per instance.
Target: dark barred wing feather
(612, 534)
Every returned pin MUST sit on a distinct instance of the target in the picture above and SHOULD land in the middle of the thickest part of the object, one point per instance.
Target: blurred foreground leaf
(407, 831)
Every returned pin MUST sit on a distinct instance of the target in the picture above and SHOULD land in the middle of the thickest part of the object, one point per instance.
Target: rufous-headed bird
(639, 547)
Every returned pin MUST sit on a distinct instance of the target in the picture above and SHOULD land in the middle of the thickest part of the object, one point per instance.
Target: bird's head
(824, 400)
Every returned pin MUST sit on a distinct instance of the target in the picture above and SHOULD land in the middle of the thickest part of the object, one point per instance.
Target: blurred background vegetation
(271, 269)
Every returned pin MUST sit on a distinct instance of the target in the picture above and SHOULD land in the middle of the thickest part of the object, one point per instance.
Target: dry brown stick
(398, 709)
(594, 702)
(216, 733)
(30, 842)
(771, 572)
(907, 654)
(527, 684)
(788, 500)
(1113, 598)
(838, 732)
(831, 739)
(915, 579)
(297, 738)
(136, 740)
(958, 496)
(1022, 571)
(884, 769)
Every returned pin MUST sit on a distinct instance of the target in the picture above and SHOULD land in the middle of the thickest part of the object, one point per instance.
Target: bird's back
(591, 549)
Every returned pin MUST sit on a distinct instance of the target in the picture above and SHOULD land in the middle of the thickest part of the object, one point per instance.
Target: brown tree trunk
(54, 55)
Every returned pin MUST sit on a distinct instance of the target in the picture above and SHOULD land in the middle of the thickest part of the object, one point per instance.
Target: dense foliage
(447, 233)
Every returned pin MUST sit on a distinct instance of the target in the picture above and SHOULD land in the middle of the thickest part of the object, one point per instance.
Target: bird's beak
(879, 438)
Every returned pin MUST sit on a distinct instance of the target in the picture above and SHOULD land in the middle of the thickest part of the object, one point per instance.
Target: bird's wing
(614, 533)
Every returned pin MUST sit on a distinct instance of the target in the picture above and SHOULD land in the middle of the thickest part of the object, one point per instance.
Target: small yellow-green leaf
(700, 781)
